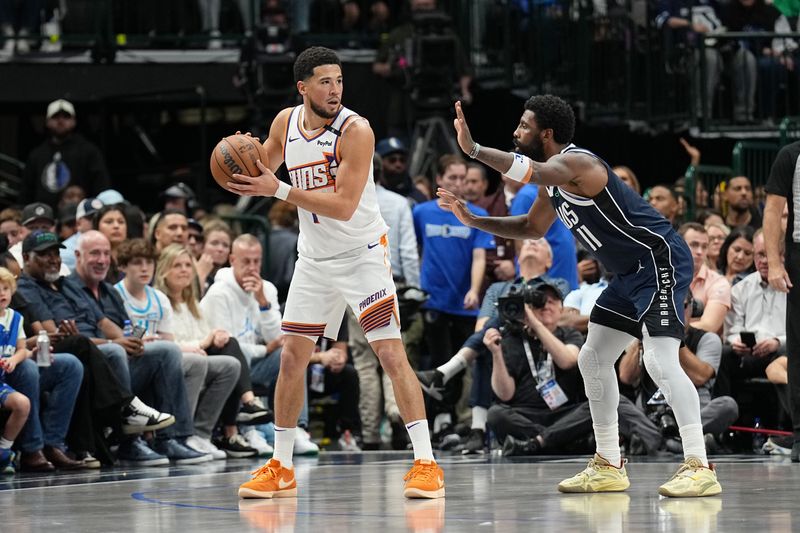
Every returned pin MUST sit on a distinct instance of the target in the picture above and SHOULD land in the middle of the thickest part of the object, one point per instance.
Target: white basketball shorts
(322, 288)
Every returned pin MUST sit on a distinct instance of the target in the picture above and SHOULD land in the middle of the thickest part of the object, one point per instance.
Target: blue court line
(140, 496)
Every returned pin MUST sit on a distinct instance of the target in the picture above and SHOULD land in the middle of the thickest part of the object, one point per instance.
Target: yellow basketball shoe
(270, 481)
(424, 480)
(599, 476)
(692, 480)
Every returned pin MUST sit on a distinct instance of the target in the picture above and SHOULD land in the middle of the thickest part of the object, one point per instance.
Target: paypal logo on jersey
(447, 231)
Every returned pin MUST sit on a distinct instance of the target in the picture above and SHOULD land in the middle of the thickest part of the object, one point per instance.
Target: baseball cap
(111, 197)
(66, 213)
(39, 241)
(88, 207)
(60, 106)
(548, 285)
(36, 211)
(389, 146)
(193, 223)
(179, 190)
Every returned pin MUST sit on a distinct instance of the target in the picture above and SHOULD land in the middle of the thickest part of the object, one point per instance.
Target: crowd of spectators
(165, 331)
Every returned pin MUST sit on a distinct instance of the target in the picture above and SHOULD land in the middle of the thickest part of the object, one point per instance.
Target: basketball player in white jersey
(343, 260)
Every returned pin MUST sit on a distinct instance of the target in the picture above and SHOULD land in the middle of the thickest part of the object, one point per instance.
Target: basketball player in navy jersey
(652, 267)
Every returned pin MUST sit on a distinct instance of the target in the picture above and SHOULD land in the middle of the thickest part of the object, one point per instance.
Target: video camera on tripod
(434, 61)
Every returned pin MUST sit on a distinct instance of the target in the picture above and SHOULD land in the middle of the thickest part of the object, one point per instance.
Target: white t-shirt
(153, 313)
(8, 340)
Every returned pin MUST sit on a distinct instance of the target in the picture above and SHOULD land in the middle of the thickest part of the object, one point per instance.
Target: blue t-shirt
(447, 247)
(565, 260)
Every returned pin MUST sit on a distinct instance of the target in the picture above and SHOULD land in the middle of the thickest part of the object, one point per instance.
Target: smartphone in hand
(748, 338)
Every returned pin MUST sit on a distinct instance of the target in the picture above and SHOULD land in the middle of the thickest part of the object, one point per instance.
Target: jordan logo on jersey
(570, 220)
(316, 175)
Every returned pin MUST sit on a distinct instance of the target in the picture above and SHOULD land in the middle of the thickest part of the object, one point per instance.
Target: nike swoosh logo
(293, 140)
(371, 246)
(412, 425)
(441, 481)
(283, 484)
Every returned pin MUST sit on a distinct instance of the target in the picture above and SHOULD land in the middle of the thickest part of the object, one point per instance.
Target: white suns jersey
(312, 160)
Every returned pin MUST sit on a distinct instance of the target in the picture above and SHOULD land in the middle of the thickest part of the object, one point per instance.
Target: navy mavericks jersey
(619, 227)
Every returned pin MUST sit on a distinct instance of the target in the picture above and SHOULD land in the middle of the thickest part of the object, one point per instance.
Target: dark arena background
(121, 102)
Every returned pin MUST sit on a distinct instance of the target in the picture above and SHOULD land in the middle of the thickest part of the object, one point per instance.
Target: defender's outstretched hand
(264, 185)
(455, 206)
(462, 130)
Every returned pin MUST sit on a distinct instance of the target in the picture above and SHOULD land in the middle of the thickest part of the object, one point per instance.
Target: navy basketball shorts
(652, 296)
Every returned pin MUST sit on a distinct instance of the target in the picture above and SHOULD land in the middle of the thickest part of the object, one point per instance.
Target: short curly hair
(311, 58)
(553, 113)
(135, 249)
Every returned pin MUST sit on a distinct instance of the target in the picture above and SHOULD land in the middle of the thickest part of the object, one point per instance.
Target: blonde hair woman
(176, 276)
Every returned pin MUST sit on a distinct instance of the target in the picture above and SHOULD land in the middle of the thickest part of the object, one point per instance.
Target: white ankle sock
(420, 439)
(5, 443)
(456, 364)
(479, 416)
(607, 438)
(284, 445)
(694, 445)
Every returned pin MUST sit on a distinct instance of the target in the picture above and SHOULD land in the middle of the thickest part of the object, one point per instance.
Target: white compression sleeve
(663, 365)
(596, 360)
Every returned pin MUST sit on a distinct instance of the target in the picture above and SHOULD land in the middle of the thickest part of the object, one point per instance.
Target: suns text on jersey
(317, 175)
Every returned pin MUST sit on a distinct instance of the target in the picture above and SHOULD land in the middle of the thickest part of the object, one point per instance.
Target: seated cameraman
(535, 377)
(699, 357)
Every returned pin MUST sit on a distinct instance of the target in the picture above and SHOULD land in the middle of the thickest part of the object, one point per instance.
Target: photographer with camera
(542, 406)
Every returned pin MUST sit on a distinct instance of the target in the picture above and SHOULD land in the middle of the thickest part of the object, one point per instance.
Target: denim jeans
(62, 381)
(156, 377)
(264, 371)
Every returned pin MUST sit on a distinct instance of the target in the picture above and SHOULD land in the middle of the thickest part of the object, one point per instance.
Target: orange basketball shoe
(424, 480)
(270, 481)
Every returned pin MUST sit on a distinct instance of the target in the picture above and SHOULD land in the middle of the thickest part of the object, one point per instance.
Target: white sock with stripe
(284, 445)
(420, 439)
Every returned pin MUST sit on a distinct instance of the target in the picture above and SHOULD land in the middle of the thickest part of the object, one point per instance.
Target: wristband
(521, 169)
(283, 190)
(476, 149)
(266, 307)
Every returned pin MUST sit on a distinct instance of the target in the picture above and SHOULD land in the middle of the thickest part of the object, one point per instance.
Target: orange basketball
(237, 154)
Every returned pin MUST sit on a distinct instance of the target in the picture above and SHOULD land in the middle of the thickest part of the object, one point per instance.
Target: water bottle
(127, 328)
(43, 352)
(758, 438)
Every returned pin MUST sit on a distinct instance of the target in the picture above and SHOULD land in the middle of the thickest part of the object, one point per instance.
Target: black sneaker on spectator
(446, 438)
(512, 446)
(138, 418)
(135, 452)
(432, 383)
(235, 446)
(475, 443)
(86, 459)
(179, 453)
(254, 413)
